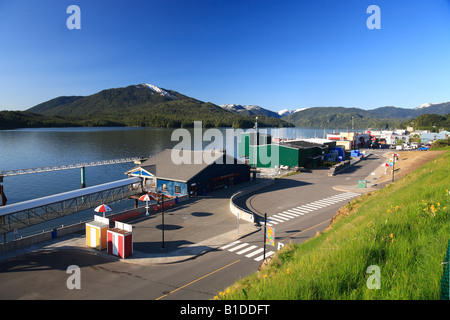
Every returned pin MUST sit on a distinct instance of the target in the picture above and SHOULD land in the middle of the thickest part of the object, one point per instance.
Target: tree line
(24, 119)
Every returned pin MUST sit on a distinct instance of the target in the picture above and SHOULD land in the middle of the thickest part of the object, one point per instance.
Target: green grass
(403, 229)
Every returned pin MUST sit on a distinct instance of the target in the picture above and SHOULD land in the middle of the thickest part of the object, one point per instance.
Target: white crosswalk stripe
(246, 249)
(319, 205)
(238, 247)
(328, 202)
(276, 219)
(230, 245)
(268, 254)
(305, 209)
(252, 250)
(309, 207)
(301, 211)
(278, 216)
(256, 253)
(287, 215)
(294, 212)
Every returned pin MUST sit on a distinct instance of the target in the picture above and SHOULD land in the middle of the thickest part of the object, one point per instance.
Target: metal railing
(8, 173)
(28, 216)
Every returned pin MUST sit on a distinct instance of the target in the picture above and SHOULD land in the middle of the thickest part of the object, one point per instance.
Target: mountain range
(344, 117)
(144, 105)
(387, 112)
(149, 105)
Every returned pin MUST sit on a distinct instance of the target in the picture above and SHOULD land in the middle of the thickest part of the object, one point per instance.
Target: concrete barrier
(241, 212)
(341, 166)
(40, 237)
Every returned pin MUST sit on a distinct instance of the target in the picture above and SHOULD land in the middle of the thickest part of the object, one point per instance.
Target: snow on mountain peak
(286, 112)
(239, 107)
(160, 91)
(425, 105)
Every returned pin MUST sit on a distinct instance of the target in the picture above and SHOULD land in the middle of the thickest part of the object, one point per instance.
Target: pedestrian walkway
(308, 208)
(247, 250)
(256, 253)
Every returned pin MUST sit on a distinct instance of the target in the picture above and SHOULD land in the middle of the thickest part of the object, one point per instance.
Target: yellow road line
(305, 230)
(197, 279)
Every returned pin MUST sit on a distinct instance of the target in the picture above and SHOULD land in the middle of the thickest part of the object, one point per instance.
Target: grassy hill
(403, 229)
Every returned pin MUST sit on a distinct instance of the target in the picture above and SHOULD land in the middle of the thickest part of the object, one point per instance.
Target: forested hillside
(141, 105)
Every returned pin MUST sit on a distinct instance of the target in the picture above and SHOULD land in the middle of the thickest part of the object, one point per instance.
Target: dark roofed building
(179, 173)
(291, 153)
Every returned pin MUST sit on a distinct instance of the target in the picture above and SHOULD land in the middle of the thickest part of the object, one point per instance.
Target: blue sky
(276, 54)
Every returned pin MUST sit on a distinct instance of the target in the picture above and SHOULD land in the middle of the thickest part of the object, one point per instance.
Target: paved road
(297, 206)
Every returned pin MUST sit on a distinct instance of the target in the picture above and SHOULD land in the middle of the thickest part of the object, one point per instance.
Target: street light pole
(265, 230)
(162, 217)
(163, 244)
(255, 153)
(393, 166)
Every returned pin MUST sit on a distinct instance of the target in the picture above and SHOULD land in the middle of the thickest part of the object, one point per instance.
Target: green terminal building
(291, 153)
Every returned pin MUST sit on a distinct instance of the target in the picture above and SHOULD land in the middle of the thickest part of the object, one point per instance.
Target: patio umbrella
(147, 197)
(103, 208)
(385, 165)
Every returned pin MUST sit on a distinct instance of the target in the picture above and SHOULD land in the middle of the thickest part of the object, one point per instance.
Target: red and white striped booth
(120, 240)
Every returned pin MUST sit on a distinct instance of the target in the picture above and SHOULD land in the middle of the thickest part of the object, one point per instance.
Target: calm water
(31, 148)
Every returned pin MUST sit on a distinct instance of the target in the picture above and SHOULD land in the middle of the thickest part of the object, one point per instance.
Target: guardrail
(241, 212)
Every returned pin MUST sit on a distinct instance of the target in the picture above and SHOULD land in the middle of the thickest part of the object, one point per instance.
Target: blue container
(355, 153)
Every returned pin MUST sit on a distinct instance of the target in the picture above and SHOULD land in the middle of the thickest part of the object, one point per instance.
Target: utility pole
(265, 230)
(162, 218)
(255, 153)
(393, 166)
(163, 244)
